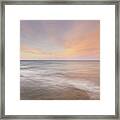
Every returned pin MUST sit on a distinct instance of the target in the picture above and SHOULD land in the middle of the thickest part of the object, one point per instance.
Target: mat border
(2, 56)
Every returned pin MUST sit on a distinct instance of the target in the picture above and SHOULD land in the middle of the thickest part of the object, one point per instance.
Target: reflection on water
(59, 80)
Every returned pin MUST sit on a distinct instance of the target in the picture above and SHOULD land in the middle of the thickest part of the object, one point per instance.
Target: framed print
(60, 60)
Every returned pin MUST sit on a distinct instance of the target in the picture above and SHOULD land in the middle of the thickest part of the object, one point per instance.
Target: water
(59, 80)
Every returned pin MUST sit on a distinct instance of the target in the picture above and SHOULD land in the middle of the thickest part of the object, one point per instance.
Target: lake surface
(59, 80)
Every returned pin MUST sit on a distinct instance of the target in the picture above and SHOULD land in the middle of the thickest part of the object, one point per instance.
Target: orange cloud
(83, 45)
(78, 42)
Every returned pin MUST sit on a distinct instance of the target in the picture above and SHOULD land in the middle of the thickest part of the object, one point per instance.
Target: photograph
(59, 59)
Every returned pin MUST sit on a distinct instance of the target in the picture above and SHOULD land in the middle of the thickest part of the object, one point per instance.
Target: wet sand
(59, 80)
(66, 94)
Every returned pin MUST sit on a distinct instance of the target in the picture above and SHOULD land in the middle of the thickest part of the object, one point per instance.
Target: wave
(36, 78)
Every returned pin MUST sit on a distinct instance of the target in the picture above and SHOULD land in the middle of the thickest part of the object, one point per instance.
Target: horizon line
(63, 60)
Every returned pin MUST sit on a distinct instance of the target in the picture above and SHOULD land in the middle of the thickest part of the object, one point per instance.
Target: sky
(59, 39)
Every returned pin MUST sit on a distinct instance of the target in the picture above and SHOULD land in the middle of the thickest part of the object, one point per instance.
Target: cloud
(79, 42)
(86, 44)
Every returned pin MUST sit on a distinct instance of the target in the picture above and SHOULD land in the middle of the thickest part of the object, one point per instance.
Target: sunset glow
(60, 39)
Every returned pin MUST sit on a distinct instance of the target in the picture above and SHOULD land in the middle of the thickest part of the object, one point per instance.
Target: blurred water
(59, 80)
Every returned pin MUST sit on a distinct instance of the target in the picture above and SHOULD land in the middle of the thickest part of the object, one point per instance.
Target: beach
(59, 80)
